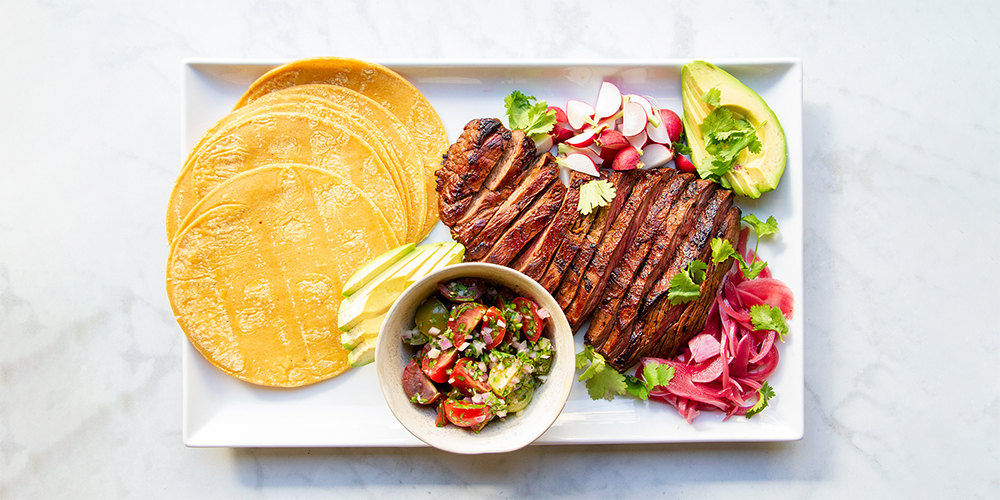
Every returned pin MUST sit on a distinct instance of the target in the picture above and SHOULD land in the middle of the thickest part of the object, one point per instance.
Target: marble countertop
(901, 225)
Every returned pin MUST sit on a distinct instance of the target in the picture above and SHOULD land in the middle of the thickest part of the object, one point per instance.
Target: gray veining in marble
(901, 267)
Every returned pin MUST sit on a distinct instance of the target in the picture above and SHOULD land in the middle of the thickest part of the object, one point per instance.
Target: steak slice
(694, 195)
(621, 278)
(654, 321)
(467, 164)
(527, 225)
(499, 183)
(536, 257)
(620, 232)
(568, 249)
(537, 179)
(466, 230)
(623, 182)
(692, 320)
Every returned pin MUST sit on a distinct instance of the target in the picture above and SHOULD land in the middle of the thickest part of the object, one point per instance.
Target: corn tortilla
(255, 277)
(382, 85)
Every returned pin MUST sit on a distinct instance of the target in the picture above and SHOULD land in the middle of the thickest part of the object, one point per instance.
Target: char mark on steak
(537, 179)
(613, 244)
(536, 257)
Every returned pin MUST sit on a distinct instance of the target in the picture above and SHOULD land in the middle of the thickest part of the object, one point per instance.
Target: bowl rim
(555, 390)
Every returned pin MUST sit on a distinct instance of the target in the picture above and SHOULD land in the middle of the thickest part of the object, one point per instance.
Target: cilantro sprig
(523, 113)
(767, 317)
(726, 135)
(604, 382)
(685, 286)
(765, 393)
(596, 193)
(723, 249)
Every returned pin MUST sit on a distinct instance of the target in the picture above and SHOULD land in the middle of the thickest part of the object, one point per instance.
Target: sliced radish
(560, 114)
(673, 124)
(656, 155)
(584, 139)
(564, 175)
(684, 165)
(634, 118)
(592, 151)
(612, 139)
(658, 134)
(627, 159)
(579, 162)
(652, 116)
(560, 134)
(608, 155)
(578, 113)
(609, 101)
(639, 140)
(544, 144)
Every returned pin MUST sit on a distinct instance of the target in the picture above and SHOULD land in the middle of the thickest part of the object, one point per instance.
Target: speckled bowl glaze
(391, 356)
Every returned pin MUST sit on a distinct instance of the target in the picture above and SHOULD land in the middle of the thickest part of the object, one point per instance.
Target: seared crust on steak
(536, 256)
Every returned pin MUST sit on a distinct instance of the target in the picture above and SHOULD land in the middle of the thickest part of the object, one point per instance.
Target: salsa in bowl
(475, 358)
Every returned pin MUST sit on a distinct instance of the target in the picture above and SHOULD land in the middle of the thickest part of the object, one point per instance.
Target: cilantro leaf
(751, 271)
(682, 286)
(596, 193)
(602, 380)
(712, 97)
(697, 270)
(681, 148)
(636, 387)
(761, 228)
(722, 249)
(766, 317)
(653, 375)
(764, 394)
(533, 119)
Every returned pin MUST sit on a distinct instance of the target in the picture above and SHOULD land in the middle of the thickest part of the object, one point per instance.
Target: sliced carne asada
(468, 228)
(622, 277)
(499, 183)
(620, 232)
(657, 318)
(527, 225)
(623, 182)
(564, 255)
(694, 195)
(467, 164)
(692, 320)
(536, 256)
(534, 183)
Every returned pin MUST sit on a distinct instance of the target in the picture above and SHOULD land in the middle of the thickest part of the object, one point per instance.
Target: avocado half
(753, 174)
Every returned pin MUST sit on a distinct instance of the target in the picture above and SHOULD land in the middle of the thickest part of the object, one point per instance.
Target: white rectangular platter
(348, 411)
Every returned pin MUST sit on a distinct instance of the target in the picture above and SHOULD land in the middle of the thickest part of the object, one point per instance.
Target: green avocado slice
(373, 268)
(753, 174)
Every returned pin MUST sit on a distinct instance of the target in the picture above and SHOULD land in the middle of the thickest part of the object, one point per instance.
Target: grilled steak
(527, 225)
(692, 320)
(467, 164)
(536, 257)
(568, 249)
(693, 196)
(623, 182)
(621, 278)
(620, 232)
(537, 179)
(499, 184)
(661, 314)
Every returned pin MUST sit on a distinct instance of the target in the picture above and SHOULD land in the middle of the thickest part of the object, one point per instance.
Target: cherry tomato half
(464, 319)
(531, 323)
(465, 414)
(463, 289)
(497, 325)
(467, 378)
(441, 420)
(417, 386)
(437, 368)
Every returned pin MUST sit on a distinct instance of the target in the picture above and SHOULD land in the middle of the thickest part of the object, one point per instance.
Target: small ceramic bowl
(514, 432)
